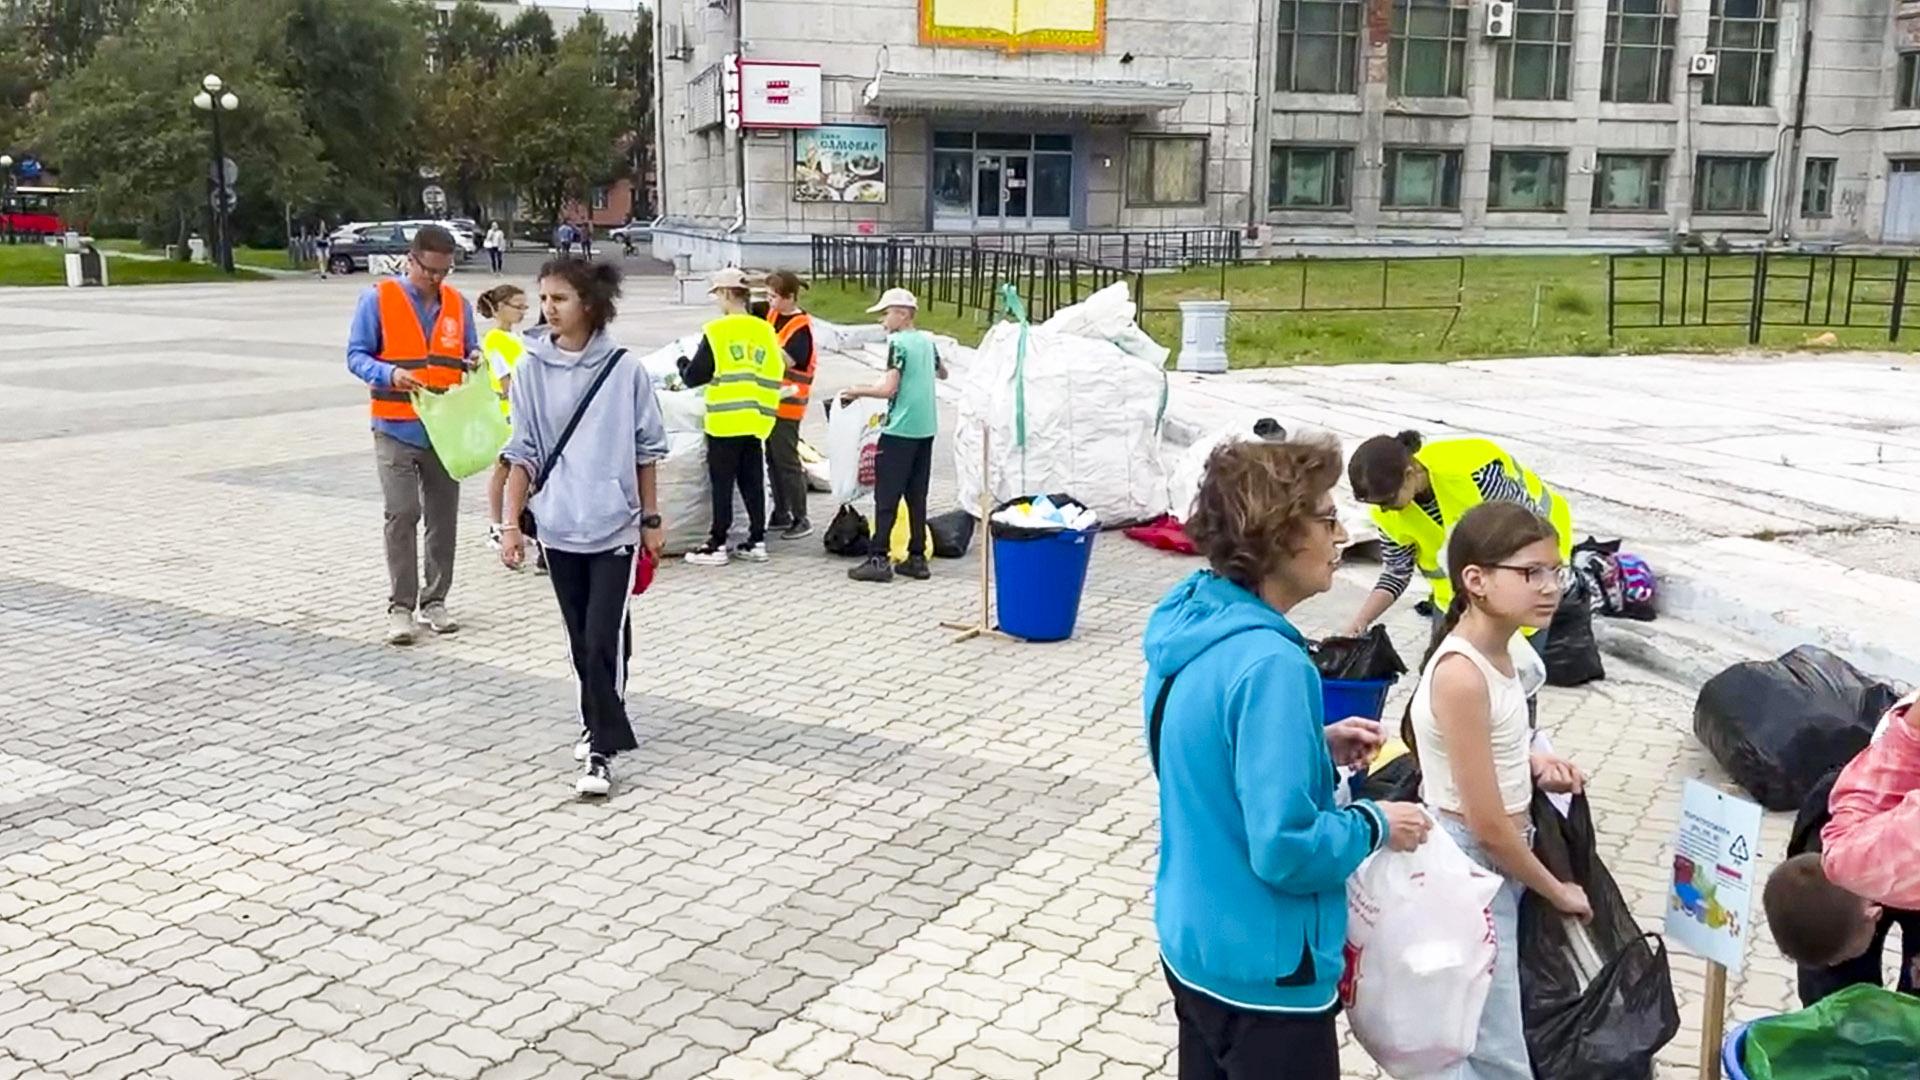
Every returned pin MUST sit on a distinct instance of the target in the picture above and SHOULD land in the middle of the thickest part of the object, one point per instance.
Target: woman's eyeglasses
(1544, 578)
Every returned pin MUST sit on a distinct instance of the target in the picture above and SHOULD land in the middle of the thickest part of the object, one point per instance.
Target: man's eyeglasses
(1544, 578)
(431, 271)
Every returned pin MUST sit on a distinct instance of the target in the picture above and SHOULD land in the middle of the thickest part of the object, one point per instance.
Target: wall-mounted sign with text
(777, 94)
(840, 163)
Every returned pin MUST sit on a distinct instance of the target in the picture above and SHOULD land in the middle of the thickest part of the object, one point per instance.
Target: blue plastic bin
(1354, 697)
(1038, 583)
(1732, 1067)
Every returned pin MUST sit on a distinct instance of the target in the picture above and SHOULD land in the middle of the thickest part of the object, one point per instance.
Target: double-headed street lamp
(215, 99)
(6, 194)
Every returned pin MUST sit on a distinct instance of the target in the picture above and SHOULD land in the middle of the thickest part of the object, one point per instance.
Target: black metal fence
(967, 278)
(1304, 285)
(1753, 291)
(1130, 249)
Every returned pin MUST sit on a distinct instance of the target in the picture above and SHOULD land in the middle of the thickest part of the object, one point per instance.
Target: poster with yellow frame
(1016, 25)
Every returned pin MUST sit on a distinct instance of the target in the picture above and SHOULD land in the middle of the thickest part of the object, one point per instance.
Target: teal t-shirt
(915, 413)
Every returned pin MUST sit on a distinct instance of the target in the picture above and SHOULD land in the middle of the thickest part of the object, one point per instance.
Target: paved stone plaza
(240, 837)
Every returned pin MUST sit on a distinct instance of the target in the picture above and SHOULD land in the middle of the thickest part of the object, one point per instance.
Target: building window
(1633, 182)
(1316, 177)
(1422, 179)
(1319, 46)
(1533, 65)
(1638, 63)
(1742, 33)
(601, 197)
(1816, 193)
(1527, 180)
(1167, 170)
(1908, 94)
(1427, 54)
(1729, 185)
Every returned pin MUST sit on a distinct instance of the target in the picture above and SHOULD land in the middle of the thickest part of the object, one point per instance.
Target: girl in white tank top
(1470, 728)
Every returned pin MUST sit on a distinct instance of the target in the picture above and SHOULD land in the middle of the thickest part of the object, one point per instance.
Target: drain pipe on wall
(1261, 161)
(739, 134)
(1794, 162)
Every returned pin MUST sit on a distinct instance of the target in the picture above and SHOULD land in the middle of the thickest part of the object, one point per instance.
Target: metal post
(223, 242)
(1757, 309)
(1899, 300)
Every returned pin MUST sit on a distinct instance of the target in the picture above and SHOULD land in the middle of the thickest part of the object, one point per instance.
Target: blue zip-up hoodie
(1250, 900)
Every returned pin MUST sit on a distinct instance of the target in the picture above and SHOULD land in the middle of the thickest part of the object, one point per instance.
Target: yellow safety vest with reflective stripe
(509, 348)
(748, 371)
(1450, 465)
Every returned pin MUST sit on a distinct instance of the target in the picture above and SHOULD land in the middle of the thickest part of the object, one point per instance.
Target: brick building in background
(1562, 122)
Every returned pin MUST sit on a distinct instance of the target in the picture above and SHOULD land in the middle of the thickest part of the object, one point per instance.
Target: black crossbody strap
(553, 458)
(1159, 718)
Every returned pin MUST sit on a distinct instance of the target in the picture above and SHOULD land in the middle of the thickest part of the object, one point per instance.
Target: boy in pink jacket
(1871, 847)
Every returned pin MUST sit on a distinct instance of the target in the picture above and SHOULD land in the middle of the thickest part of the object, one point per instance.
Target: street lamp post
(215, 99)
(6, 194)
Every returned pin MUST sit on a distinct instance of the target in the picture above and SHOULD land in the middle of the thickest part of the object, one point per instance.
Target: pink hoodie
(1871, 847)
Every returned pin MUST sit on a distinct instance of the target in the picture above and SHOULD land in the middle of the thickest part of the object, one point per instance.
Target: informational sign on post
(1710, 895)
(1710, 898)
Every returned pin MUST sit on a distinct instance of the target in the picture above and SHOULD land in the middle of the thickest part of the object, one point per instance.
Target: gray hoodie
(591, 503)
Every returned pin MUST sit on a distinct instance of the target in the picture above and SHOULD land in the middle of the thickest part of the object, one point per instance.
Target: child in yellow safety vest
(506, 305)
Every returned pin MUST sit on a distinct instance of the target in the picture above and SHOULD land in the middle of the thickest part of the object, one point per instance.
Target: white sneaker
(400, 629)
(439, 620)
(584, 747)
(493, 536)
(707, 555)
(597, 779)
(751, 552)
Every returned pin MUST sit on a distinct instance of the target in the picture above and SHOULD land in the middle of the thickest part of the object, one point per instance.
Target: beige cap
(894, 298)
(730, 278)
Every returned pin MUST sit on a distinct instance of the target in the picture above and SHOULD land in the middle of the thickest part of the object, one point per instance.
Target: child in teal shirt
(903, 466)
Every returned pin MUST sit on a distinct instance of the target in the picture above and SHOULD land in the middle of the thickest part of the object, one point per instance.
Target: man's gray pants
(414, 485)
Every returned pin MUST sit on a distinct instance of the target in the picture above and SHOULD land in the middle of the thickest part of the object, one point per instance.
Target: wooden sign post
(1710, 896)
(984, 626)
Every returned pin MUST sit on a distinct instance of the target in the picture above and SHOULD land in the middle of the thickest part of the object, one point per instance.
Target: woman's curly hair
(1256, 500)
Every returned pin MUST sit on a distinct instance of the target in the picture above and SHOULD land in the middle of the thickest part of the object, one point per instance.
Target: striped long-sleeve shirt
(1495, 486)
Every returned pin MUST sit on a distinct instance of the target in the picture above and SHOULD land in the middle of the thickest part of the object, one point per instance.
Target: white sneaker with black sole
(707, 555)
(597, 780)
(751, 552)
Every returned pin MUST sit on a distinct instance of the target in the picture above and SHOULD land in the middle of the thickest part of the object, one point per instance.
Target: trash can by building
(1040, 566)
(1203, 336)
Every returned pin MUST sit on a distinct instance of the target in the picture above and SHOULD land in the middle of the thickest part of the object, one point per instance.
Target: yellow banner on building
(1016, 25)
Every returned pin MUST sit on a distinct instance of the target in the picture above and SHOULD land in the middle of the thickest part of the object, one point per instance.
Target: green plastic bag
(1860, 1033)
(464, 425)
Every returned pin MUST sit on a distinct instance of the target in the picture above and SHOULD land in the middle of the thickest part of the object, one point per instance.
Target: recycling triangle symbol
(1739, 849)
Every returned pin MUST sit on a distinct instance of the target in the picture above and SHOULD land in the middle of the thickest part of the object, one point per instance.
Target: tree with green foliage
(461, 129)
(123, 127)
(60, 35)
(472, 34)
(358, 70)
(531, 34)
(563, 127)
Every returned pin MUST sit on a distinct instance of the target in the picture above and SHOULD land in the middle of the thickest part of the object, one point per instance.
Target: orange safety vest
(794, 406)
(439, 364)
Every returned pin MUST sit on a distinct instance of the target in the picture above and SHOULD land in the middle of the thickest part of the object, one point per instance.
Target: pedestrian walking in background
(793, 329)
(903, 465)
(496, 245)
(414, 333)
(1250, 897)
(506, 306)
(323, 248)
(563, 239)
(587, 437)
(1470, 730)
(583, 232)
(740, 363)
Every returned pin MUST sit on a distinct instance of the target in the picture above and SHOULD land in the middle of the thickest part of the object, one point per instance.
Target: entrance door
(1901, 224)
(1003, 186)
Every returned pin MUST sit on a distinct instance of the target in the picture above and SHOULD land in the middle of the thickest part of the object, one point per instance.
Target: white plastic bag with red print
(1420, 951)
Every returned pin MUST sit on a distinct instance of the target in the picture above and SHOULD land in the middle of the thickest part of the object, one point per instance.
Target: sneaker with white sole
(751, 552)
(439, 620)
(597, 779)
(800, 530)
(583, 749)
(400, 627)
(707, 555)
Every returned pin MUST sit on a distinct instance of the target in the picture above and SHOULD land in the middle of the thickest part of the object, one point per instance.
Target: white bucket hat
(893, 298)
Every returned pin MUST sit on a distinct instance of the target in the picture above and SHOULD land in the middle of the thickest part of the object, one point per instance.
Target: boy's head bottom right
(1816, 923)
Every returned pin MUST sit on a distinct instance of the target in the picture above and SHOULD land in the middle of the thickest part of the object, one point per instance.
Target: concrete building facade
(1582, 122)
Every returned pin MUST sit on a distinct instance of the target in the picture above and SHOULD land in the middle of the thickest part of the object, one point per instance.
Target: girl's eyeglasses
(1544, 578)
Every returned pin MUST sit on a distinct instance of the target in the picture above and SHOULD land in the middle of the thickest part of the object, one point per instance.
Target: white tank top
(1507, 723)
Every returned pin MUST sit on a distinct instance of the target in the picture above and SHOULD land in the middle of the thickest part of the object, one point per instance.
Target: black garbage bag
(1597, 1000)
(1778, 726)
(1369, 656)
(1396, 781)
(952, 534)
(1572, 653)
(848, 534)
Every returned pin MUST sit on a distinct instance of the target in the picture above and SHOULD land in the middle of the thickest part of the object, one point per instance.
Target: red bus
(35, 211)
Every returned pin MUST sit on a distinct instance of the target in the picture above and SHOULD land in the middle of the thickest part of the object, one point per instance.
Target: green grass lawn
(37, 264)
(1510, 305)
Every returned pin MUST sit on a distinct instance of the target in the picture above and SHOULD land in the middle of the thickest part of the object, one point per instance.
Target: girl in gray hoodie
(596, 508)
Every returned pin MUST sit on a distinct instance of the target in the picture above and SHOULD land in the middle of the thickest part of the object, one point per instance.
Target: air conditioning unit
(1703, 65)
(1499, 19)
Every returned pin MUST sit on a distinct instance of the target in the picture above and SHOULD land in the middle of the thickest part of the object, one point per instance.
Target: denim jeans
(1500, 1052)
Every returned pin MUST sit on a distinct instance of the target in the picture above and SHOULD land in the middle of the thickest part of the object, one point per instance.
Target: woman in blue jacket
(1250, 899)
